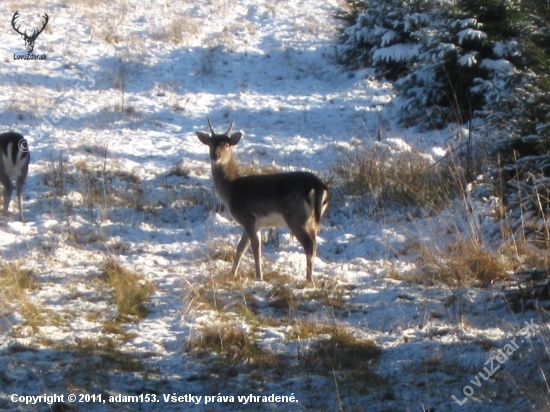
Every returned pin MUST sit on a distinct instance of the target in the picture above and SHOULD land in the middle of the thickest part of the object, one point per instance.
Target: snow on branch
(397, 53)
(470, 34)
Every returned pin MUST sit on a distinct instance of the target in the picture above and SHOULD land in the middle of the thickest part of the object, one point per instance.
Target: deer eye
(226, 146)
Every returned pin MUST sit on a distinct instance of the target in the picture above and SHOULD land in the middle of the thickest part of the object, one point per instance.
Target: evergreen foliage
(486, 61)
(450, 61)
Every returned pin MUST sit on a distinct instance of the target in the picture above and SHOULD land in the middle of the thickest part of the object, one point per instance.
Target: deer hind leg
(241, 248)
(256, 241)
(19, 185)
(8, 189)
(306, 237)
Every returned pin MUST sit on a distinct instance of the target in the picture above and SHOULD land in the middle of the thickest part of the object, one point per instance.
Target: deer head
(220, 144)
(29, 40)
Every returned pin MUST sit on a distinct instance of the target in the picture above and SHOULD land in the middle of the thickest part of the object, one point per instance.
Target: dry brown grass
(221, 250)
(465, 263)
(217, 290)
(35, 316)
(129, 290)
(310, 328)
(232, 345)
(15, 281)
(403, 179)
(98, 356)
(104, 186)
(337, 348)
(282, 297)
(15, 284)
(179, 30)
(56, 176)
(203, 296)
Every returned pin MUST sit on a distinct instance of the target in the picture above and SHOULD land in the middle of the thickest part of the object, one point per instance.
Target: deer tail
(319, 198)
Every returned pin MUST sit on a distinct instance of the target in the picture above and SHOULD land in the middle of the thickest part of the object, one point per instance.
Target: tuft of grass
(110, 34)
(275, 275)
(15, 281)
(178, 30)
(129, 290)
(232, 345)
(221, 250)
(465, 263)
(310, 328)
(104, 187)
(180, 169)
(404, 179)
(330, 293)
(340, 351)
(204, 296)
(282, 297)
(56, 176)
(34, 317)
(217, 291)
(116, 328)
(100, 355)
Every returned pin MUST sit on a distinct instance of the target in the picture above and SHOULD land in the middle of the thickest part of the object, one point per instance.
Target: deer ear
(204, 138)
(235, 137)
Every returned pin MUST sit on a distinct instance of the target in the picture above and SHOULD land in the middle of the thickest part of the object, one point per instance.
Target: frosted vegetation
(481, 63)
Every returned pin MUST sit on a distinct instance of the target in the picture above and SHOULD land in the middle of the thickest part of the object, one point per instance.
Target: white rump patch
(13, 170)
(272, 220)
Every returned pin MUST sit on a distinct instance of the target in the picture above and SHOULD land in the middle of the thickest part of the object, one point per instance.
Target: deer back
(276, 199)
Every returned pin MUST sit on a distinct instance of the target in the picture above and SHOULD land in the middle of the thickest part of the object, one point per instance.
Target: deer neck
(223, 175)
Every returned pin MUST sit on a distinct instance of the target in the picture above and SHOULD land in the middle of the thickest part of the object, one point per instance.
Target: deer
(29, 40)
(14, 165)
(296, 200)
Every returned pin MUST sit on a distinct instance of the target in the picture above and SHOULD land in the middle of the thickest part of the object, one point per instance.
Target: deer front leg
(8, 189)
(256, 241)
(242, 246)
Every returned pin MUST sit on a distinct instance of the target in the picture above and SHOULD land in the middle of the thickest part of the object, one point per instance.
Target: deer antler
(210, 125)
(35, 32)
(16, 14)
(230, 127)
(212, 129)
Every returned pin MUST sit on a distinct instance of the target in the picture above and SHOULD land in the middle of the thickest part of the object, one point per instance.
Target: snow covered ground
(117, 171)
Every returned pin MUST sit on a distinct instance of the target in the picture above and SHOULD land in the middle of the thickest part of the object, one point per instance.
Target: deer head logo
(29, 40)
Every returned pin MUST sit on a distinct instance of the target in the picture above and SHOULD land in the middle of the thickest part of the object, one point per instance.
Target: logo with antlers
(29, 40)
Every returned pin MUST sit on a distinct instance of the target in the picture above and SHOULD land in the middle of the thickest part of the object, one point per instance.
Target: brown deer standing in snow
(14, 165)
(293, 199)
